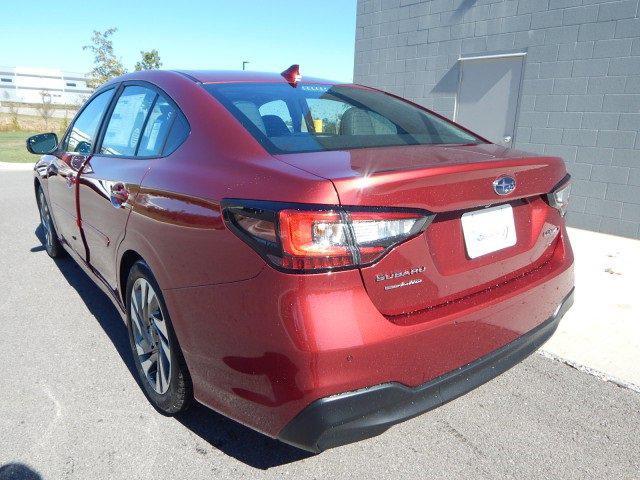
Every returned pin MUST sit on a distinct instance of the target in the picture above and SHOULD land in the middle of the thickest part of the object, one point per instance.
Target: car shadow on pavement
(18, 471)
(96, 301)
(228, 436)
(237, 441)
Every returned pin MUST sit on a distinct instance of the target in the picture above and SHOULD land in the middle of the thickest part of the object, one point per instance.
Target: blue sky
(214, 34)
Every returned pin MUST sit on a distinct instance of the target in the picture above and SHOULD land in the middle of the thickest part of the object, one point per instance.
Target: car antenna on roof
(292, 75)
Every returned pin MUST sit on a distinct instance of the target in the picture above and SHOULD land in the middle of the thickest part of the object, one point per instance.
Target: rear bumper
(260, 351)
(353, 416)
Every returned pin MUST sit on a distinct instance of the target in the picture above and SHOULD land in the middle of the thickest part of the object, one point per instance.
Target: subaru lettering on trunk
(403, 273)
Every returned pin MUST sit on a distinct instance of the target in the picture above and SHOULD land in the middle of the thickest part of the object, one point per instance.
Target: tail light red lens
(310, 239)
(313, 240)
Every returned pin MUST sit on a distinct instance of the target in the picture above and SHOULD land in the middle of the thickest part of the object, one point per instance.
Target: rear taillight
(558, 198)
(304, 238)
(313, 240)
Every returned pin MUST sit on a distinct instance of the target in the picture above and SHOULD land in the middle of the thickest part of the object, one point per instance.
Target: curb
(16, 167)
(592, 371)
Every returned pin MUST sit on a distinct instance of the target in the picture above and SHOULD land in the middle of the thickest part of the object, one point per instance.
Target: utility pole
(244, 63)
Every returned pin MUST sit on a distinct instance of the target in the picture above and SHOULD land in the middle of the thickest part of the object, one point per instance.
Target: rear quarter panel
(176, 222)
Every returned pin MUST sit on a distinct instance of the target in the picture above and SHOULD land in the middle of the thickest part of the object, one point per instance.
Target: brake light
(558, 198)
(305, 239)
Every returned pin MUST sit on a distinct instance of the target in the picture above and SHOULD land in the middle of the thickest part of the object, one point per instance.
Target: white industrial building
(26, 85)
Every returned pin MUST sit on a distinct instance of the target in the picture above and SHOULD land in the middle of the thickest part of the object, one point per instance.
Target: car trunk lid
(436, 267)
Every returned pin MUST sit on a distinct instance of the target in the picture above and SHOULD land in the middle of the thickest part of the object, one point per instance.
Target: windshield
(315, 117)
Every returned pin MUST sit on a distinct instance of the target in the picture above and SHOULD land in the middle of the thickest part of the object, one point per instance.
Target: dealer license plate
(488, 230)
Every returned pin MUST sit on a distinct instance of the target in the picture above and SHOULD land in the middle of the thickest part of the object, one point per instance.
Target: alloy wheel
(150, 335)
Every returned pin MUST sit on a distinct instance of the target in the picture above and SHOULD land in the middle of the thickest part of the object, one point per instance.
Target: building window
(7, 80)
(71, 84)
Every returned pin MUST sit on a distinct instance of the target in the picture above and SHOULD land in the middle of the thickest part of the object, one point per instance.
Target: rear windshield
(315, 117)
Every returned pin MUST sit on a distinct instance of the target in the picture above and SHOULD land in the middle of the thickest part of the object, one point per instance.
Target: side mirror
(83, 148)
(42, 144)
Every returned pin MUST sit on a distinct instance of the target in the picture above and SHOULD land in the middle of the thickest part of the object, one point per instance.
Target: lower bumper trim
(352, 416)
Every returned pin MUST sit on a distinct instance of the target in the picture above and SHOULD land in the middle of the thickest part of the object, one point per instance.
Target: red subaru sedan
(317, 261)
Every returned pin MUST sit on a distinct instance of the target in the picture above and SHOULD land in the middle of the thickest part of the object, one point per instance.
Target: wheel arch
(128, 259)
(137, 246)
(38, 183)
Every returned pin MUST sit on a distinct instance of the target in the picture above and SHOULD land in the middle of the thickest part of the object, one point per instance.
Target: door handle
(119, 194)
(77, 161)
(507, 139)
(71, 180)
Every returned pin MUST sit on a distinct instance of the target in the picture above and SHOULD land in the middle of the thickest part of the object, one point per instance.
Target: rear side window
(157, 130)
(178, 134)
(82, 135)
(127, 121)
(316, 117)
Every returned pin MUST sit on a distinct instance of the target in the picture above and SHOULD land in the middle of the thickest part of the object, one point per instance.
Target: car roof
(216, 76)
(232, 76)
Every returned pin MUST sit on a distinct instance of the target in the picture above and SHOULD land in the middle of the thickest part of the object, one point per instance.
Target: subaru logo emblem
(504, 185)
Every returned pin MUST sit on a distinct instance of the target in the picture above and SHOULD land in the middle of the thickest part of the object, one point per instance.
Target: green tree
(105, 64)
(45, 109)
(150, 60)
(62, 129)
(13, 112)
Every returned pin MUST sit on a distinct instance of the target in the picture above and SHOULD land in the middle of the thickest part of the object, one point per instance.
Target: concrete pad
(601, 333)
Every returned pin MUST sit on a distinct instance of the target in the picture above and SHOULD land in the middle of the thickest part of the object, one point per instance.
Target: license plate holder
(488, 230)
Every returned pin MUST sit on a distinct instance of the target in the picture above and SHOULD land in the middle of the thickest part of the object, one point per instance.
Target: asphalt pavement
(71, 408)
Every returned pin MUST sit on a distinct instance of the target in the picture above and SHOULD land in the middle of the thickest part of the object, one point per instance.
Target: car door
(132, 136)
(62, 173)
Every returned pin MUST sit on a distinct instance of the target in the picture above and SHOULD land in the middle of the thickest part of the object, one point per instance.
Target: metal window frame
(159, 93)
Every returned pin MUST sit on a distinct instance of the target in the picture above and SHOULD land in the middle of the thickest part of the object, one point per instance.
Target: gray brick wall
(580, 97)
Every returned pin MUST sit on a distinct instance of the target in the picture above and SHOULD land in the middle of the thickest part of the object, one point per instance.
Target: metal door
(488, 95)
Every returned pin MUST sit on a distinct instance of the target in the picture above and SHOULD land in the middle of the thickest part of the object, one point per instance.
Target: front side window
(83, 133)
(127, 121)
(315, 117)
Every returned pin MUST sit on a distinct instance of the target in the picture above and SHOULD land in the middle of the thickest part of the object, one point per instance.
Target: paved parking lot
(71, 408)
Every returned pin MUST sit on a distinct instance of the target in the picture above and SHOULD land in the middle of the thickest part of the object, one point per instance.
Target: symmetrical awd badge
(504, 185)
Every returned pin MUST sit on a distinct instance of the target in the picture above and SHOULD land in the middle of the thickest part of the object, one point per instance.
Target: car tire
(51, 242)
(160, 366)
